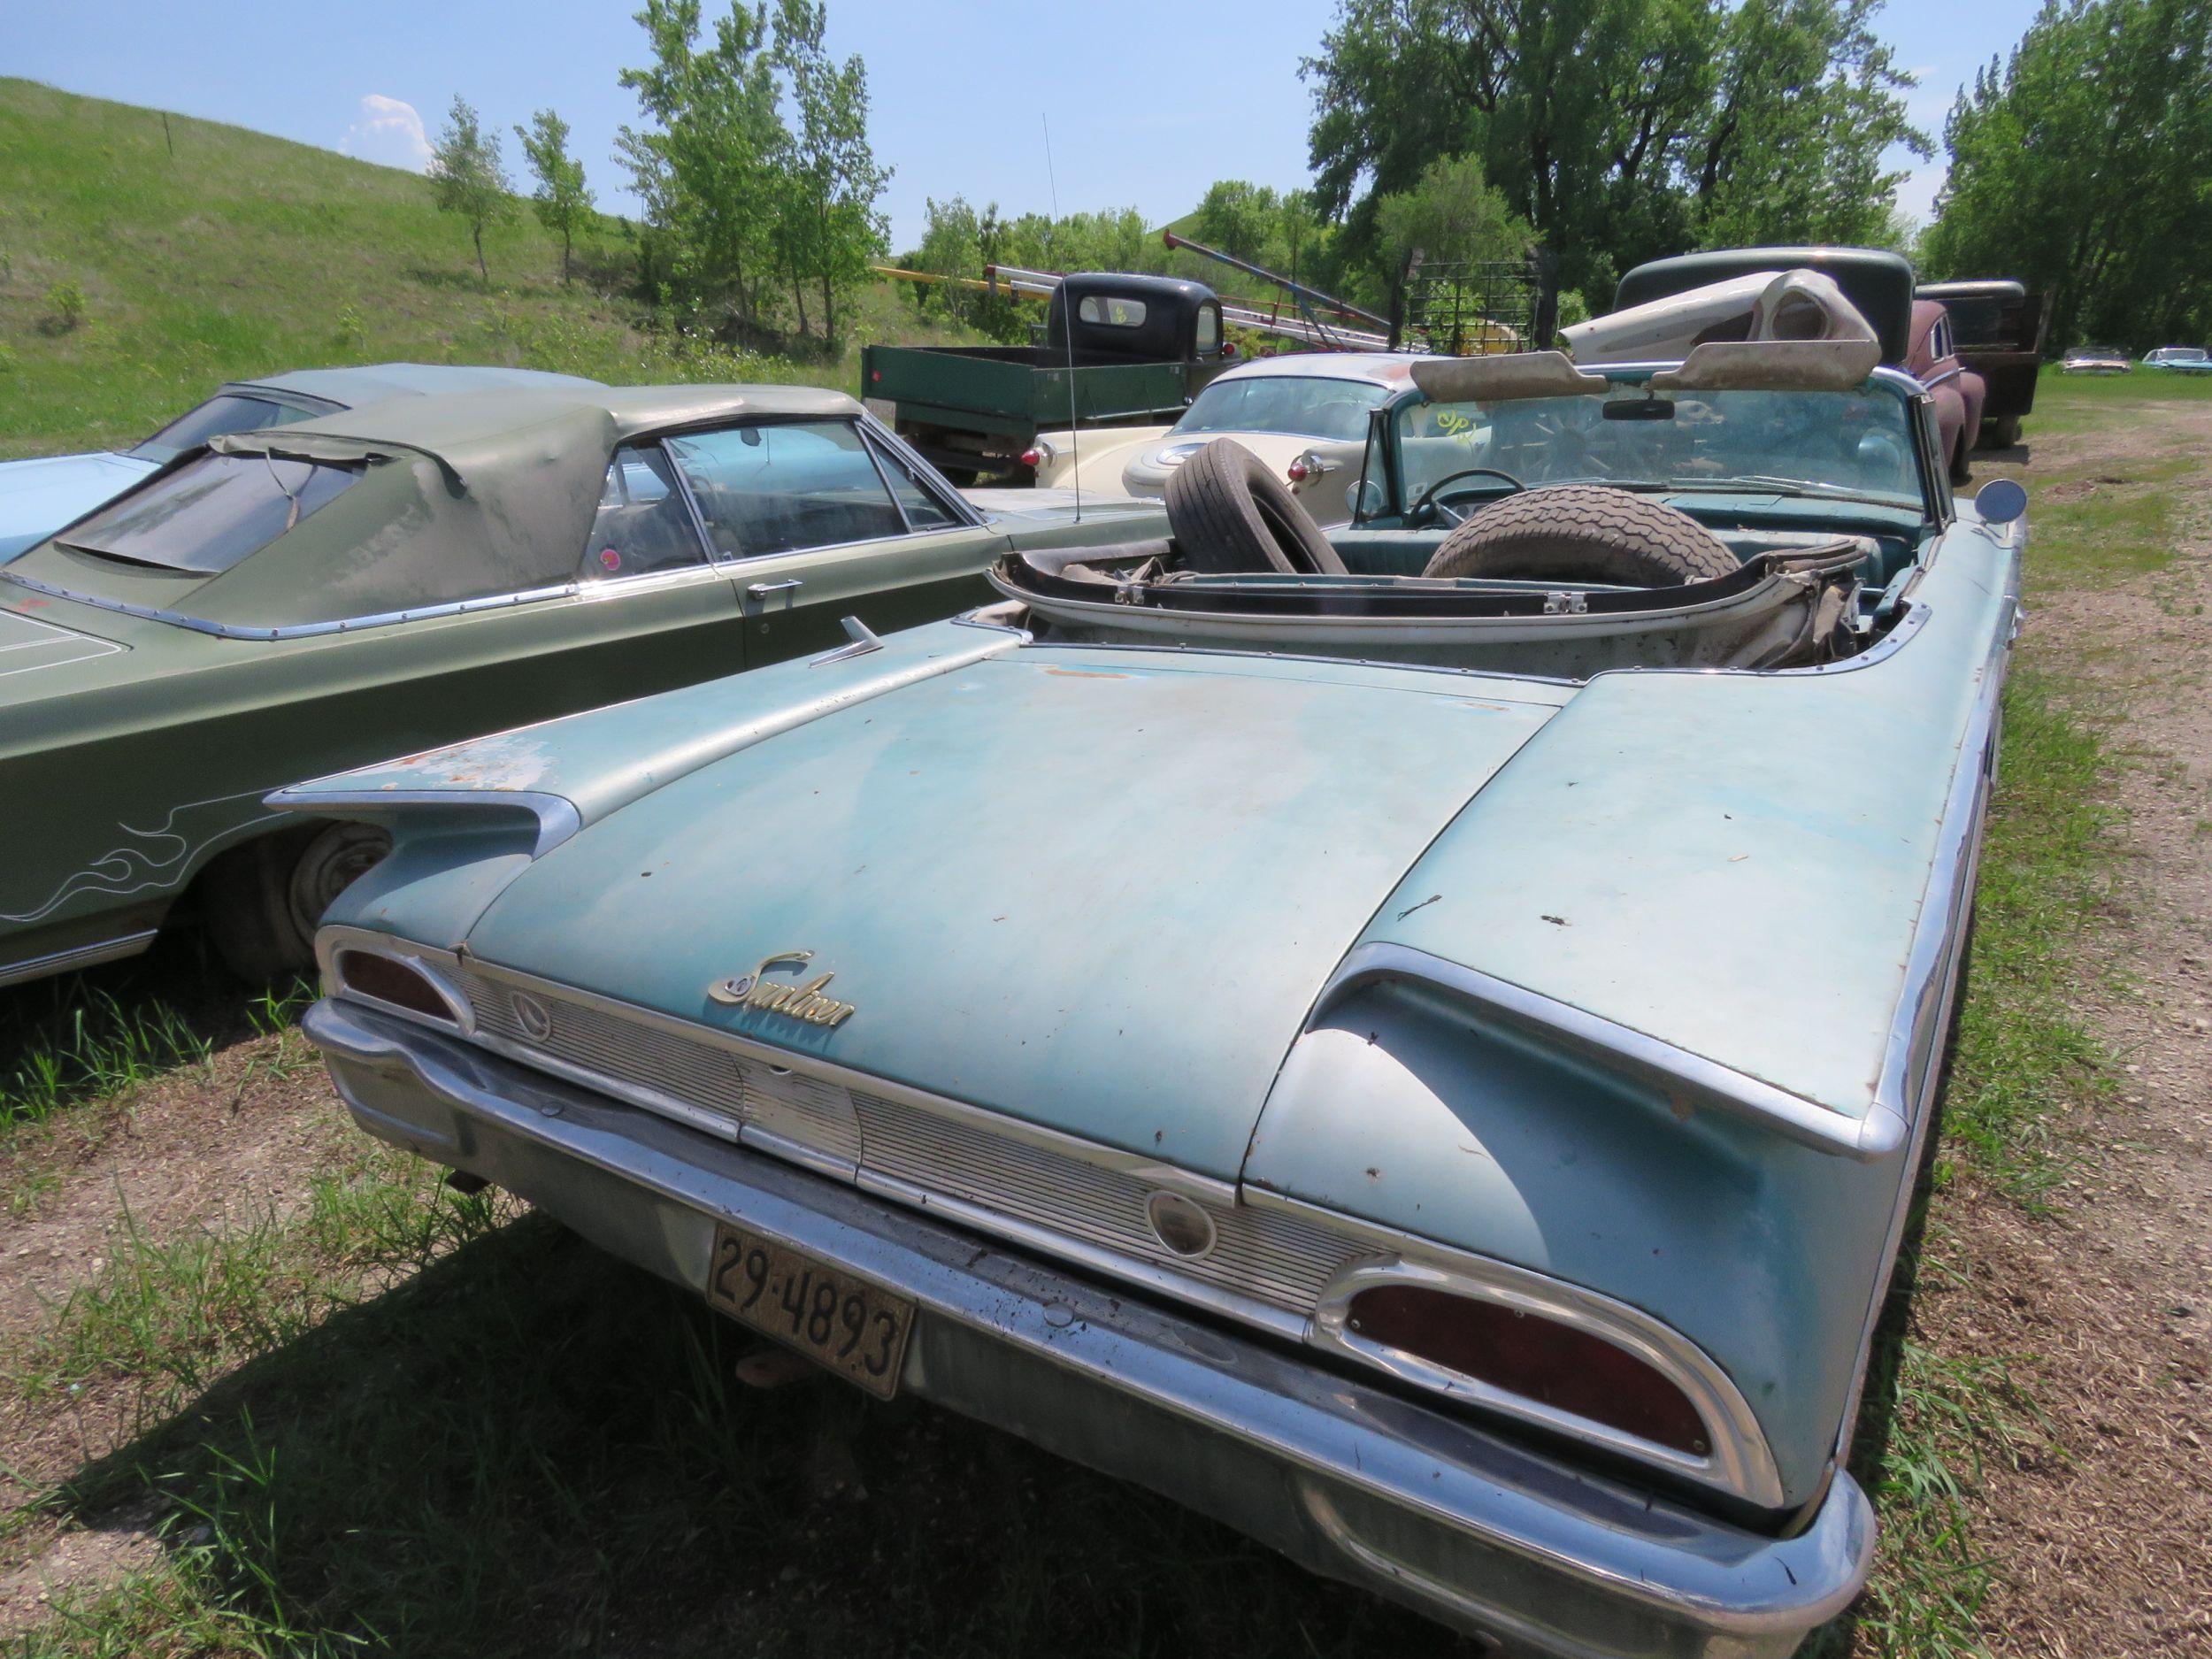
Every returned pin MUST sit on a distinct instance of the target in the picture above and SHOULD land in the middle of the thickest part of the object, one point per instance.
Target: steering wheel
(1429, 495)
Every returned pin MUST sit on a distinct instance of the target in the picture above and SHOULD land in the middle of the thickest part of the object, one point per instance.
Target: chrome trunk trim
(1416, 1504)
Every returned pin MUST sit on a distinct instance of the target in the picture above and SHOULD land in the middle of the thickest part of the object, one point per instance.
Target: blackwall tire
(262, 901)
(1229, 513)
(1582, 533)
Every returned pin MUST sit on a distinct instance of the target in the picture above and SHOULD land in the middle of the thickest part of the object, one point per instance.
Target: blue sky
(1146, 103)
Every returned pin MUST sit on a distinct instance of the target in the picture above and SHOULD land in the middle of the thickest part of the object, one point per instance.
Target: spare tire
(1584, 533)
(1229, 513)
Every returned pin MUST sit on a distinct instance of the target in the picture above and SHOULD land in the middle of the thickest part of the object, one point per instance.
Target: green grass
(529, 1447)
(2069, 403)
(97, 1036)
(2027, 1056)
(133, 280)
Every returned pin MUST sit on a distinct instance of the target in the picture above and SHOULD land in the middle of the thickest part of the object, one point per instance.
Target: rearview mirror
(2000, 501)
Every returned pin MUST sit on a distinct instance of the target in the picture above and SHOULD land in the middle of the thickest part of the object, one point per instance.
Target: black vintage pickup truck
(1143, 347)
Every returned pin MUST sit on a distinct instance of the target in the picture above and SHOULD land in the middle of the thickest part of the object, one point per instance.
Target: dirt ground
(2101, 1521)
(2099, 1516)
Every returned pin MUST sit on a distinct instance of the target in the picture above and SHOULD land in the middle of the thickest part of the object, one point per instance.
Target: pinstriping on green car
(274, 605)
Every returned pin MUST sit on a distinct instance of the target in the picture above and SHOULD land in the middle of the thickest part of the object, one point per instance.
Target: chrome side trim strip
(294, 630)
(1880, 1133)
(1202, 1187)
(1913, 1063)
(77, 956)
(556, 815)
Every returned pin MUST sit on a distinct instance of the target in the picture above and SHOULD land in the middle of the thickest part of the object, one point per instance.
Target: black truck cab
(1124, 319)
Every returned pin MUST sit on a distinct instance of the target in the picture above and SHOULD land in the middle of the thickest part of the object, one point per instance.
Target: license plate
(853, 1328)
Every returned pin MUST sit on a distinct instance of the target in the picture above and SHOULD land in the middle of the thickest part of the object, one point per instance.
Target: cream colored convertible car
(1305, 416)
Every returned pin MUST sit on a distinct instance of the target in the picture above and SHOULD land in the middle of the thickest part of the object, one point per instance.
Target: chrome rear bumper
(1465, 1526)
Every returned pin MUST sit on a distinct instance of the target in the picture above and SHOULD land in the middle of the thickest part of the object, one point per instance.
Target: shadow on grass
(532, 1447)
(88, 1034)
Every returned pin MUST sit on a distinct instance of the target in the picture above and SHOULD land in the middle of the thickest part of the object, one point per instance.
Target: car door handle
(761, 590)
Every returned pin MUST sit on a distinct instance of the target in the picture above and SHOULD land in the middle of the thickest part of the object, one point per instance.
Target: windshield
(1302, 406)
(225, 413)
(1855, 442)
(212, 512)
(2099, 351)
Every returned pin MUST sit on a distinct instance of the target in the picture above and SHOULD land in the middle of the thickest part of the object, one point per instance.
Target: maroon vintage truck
(1997, 326)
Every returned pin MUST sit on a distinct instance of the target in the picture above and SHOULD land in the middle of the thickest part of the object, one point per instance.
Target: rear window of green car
(211, 513)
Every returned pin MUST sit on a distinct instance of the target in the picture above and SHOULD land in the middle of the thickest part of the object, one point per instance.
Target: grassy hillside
(242, 254)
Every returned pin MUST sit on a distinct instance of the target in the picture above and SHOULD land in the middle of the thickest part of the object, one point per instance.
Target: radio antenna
(1067, 321)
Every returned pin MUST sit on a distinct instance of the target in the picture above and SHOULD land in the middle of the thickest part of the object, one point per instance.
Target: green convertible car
(274, 605)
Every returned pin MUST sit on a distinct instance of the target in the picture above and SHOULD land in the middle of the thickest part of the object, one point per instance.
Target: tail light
(395, 983)
(1306, 466)
(1531, 1358)
(1037, 455)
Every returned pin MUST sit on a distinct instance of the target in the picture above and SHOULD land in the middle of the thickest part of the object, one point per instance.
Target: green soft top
(469, 496)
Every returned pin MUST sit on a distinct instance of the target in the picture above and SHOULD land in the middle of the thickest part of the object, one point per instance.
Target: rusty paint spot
(1085, 673)
(1423, 906)
(1559, 921)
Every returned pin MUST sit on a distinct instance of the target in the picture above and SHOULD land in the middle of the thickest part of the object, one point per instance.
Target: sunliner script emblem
(793, 1000)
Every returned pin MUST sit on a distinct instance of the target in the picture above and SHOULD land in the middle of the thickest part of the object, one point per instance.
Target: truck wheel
(262, 901)
(1582, 533)
(1229, 513)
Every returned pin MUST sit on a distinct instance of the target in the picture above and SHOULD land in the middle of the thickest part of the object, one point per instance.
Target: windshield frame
(1372, 394)
(1935, 498)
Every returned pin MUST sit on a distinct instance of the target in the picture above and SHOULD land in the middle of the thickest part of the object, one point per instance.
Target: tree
(710, 171)
(1450, 214)
(834, 229)
(562, 202)
(2083, 166)
(1619, 129)
(467, 176)
(1238, 219)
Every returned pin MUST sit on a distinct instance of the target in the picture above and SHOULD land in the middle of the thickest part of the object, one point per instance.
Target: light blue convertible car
(1416, 1043)
(38, 497)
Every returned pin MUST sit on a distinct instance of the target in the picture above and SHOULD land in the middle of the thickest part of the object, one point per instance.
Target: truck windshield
(1836, 443)
(1302, 406)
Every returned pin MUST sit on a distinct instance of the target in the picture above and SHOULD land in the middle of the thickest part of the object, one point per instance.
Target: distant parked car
(2096, 360)
(40, 496)
(281, 604)
(1305, 415)
(1931, 358)
(2181, 359)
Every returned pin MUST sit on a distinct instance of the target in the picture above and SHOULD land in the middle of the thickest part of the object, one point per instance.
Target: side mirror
(2000, 501)
(1365, 499)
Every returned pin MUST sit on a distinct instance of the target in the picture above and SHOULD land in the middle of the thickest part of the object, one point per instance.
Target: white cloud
(387, 132)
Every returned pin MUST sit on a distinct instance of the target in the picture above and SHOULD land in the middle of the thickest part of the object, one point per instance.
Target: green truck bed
(972, 410)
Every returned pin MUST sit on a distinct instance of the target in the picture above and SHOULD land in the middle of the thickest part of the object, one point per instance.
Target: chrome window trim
(1740, 1461)
(299, 630)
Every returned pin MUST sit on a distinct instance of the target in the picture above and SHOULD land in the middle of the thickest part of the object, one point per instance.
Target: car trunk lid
(1096, 890)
